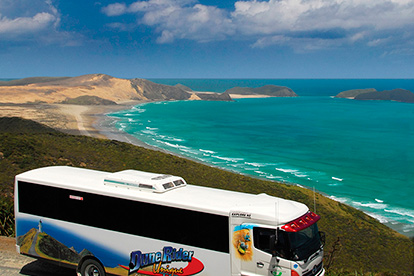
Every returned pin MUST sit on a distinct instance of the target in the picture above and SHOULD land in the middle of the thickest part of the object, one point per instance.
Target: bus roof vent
(144, 181)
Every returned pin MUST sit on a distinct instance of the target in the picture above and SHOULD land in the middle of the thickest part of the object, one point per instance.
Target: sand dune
(102, 86)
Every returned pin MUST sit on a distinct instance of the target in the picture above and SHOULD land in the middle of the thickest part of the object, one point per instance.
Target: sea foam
(207, 151)
(372, 205)
(332, 153)
(294, 172)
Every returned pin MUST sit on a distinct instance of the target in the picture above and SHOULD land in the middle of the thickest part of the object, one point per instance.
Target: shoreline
(103, 126)
(93, 121)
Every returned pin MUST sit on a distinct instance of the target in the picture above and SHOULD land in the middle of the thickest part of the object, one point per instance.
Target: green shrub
(6, 218)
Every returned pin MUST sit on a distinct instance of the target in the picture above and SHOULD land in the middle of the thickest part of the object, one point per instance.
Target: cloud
(24, 21)
(335, 22)
(299, 44)
(19, 17)
(21, 25)
(115, 9)
(178, 19)
(301, 15)
(271, 40)
(272, 22)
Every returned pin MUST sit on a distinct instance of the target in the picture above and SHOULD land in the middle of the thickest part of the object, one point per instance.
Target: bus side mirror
(322, 237)
(272, 244)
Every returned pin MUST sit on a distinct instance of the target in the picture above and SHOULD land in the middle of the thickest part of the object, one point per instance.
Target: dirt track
(13, 264)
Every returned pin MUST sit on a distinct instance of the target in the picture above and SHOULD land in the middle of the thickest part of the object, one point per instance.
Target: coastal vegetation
(268, 90)
(356, 243)
(32, 80)
(88, 100)
(354, 92)
(398, 95)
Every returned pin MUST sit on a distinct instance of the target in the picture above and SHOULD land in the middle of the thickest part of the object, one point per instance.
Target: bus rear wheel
(92, 267)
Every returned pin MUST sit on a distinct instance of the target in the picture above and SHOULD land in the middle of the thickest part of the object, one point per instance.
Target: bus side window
(261, 238)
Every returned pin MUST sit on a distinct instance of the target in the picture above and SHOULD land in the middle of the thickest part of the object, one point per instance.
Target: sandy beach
(239, 96)
(89, 120)
(86, 120)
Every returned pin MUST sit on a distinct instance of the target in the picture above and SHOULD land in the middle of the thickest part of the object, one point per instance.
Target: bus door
(266, 264)
(246, 258)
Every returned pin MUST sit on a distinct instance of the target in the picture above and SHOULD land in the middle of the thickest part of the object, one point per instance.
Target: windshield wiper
(306, 250)
(310, 258)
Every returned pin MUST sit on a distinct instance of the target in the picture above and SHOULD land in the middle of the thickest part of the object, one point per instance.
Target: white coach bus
(138, 223)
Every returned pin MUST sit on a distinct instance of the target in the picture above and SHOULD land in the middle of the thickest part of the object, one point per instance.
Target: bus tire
(92, 267)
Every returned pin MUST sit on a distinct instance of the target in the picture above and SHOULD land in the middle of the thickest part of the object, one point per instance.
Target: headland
(78, 105)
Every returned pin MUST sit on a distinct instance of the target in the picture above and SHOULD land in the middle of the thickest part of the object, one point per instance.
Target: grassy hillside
(399, 95)
(355, 241)
(271, 90)
(88, 100)
(354, 92)
(31, 80)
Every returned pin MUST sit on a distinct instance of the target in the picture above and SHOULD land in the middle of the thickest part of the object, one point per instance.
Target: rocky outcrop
(212, 96)
(183, 87)
(398, 95)
(267, 90)
(154, 91)
(351, 94)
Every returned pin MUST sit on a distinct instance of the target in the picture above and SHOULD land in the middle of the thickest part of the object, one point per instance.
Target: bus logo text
(161, 262)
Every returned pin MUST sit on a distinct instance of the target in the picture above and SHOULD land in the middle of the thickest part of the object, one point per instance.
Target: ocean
(360, 153)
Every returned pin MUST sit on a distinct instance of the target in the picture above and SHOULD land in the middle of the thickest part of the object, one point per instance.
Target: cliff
(155, 91)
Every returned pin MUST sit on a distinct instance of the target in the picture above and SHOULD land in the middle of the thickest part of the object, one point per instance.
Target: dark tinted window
(305, 242)
(261, 238)
(133, 217)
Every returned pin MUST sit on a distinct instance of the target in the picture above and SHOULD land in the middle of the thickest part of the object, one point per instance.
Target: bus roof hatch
(144, 181)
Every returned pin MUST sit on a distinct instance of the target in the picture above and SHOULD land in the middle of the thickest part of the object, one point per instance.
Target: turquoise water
(357, 152)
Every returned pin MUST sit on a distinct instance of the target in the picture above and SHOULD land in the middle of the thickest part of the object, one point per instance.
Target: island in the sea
(101, 89)
(264, 91)
(398, 95)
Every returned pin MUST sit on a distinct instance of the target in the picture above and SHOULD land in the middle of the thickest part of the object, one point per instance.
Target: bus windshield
(295, 246)
(299, 245)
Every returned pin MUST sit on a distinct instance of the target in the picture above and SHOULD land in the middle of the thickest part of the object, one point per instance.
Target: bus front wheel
(92, 267)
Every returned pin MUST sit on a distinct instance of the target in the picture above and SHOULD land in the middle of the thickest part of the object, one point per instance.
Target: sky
(208, 39)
